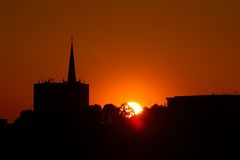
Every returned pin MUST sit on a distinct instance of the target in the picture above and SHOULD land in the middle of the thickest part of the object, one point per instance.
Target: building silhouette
(64, 99)
(199, 112)
(206, 125)
(203, 103)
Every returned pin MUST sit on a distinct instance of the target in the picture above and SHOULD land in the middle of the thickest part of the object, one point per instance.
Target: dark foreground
(158, 133)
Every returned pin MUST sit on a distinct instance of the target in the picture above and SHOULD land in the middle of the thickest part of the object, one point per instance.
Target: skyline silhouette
(141, 80)
(62, 125)
(131, 50)
(52, 97)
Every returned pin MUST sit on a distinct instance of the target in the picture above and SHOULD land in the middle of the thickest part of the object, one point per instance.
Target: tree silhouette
(126, 111)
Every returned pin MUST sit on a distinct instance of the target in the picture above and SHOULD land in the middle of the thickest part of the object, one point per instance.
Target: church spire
(71, 69)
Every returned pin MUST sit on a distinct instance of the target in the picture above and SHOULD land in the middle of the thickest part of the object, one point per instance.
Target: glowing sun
(136, 107)
(130, 109)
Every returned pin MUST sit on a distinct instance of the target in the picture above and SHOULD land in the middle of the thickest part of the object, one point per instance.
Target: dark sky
(127, 50)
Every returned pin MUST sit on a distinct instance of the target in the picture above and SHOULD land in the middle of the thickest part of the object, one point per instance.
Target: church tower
(63, 99)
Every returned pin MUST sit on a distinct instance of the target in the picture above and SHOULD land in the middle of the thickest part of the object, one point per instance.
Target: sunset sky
(127, 50)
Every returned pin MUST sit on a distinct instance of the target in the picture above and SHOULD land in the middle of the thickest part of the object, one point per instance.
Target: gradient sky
(127, 50)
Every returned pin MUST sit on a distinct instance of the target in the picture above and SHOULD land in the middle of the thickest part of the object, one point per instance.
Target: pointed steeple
(71, 69)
